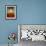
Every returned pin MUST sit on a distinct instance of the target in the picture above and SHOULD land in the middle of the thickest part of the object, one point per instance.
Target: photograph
(11, 12)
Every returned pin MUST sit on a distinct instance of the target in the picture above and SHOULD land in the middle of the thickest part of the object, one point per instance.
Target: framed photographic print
(10, 12)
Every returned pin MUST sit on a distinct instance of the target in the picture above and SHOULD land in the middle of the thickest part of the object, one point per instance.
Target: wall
(6, 26)
(32, 12)
(28, 12)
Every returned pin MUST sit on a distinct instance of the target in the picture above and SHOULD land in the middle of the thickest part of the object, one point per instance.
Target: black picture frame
(10, 12)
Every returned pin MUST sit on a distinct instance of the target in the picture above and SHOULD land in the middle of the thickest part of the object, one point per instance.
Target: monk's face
(10, 11)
